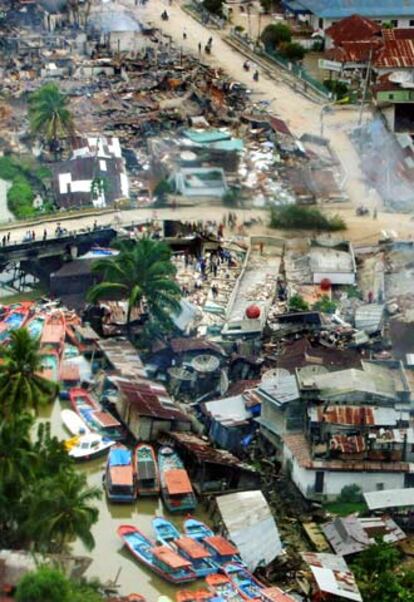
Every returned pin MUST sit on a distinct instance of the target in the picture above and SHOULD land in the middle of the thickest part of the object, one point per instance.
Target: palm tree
(141, 273)
(22, 387)
(49, 114)
(59, 510)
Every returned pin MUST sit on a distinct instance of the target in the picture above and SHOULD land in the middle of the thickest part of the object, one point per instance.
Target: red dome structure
(253, 312)
(326, 284)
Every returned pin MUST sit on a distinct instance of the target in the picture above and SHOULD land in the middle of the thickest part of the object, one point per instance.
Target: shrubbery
(291, 217)
(25, 175)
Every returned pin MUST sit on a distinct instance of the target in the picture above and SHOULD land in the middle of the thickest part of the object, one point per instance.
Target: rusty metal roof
(177, 481)
(146, 399)
(352, 415)
(122, 475)
(353, 29)
(105, 419)
(396, 53)
(192, 547)
(170, 558)
(221, 545)
(348, 444)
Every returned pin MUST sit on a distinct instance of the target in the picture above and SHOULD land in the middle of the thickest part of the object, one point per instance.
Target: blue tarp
(206, 136)
(337, 9)
(119, 457)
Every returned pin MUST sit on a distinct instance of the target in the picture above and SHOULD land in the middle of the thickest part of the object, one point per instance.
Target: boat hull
(146, 463)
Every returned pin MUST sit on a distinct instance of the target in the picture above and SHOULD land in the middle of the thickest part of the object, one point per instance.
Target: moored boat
(148, 481)
(222, 550)
(35, 326)
(196, 529)
(74, 423)
(222, 587)
(15, 318)
(160, 559)
(245, 583)
(198, 595)
(50, 363)
(176, 489)
(53, 334)
(119, 479)
(200, 558)
(165, 531)
(98, 420)
(89, 447)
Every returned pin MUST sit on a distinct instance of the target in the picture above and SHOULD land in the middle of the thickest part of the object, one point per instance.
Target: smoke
(383, 163)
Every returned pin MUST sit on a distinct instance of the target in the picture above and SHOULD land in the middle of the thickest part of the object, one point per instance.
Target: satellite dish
(274, 374)
(403, 78)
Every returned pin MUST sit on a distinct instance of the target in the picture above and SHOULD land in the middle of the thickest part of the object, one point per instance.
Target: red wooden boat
(53, 335)
(146, 469)
(97, 420)
(160, 559)
(224, 588)
(198, 595)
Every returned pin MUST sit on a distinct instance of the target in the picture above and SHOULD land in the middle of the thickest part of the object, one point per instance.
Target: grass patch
(27, 178)
(33, 295)
(345, 508)
(295, 217)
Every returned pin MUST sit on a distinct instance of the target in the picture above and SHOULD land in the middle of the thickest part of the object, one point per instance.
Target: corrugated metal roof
(348, 444)
(354, 415)
(177, 481)
(337, 9)
(106, 419)
(332, 575)
(122, 475)
(396, 53)
(251, 526)
(123, 356)
(369, 317)
(148, 400)
(390, 498)
(228, 411)
(280, 390)
(222, 545)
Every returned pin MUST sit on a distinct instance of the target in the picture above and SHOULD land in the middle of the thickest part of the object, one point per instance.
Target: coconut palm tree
(49, 114)
(22, 387)
(142, 273)
(59, 509)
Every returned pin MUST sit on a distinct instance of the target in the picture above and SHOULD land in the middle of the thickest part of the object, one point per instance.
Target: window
(394, 22)
(390, 96)
(319, 480)
(412, 449)
(411, 22)
(380, 486)
(320, 23)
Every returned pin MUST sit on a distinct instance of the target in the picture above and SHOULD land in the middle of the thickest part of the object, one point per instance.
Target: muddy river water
(109, 556)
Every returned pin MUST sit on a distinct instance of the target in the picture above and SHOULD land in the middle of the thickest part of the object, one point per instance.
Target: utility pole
(364, 93)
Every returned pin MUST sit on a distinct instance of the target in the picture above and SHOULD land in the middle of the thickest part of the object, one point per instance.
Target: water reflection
(109, 556)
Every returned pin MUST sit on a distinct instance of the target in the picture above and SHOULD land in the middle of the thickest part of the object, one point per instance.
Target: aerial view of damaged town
(206, 300)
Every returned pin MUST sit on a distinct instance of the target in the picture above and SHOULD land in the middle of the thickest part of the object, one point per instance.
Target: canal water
(109, 556)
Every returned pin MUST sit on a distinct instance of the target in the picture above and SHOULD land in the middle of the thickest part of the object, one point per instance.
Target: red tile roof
(352, 29)
(396, 53)
(354, 52)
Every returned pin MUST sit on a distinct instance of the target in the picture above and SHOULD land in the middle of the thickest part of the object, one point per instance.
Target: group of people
(246, 67)
(6, 239)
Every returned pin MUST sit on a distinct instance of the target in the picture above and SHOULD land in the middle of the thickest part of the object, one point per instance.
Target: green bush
(8, 168)
(298, 303)
(292, 51)
(350, 494)
(20, 198)
(275, 35)
(340, 89)
(290, 217)
(325, 305)
(44, 585)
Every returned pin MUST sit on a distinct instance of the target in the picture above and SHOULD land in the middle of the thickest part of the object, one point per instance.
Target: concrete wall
(334, 481)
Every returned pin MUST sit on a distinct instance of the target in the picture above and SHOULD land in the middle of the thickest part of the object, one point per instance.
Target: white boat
(90, 446)
(74, 423)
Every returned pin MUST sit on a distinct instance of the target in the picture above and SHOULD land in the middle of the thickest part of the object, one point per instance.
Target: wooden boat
(165, 531)
(97, 420)
(245, 583)
(89, 447)
(148, 480)
(198, 595)
(177, 492)
(53, 335)
(221, 550)
(222, 587)
(135, 598)
(196, 529)
(190, 549)
(16, 318)
(74, 423)
(35, 326)
(50, 362)
(162, 560)
(69, 375)
(119, 479)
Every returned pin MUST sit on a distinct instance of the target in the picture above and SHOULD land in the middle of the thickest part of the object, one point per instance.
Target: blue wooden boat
(148, 480)
(222, 550)
(196, 529)
(98, 420)
(190, 549)
(35, 326)
(165, 531)
(223, 587)
(119, 480)
(176, 490)
(245, 583)
(160, 559)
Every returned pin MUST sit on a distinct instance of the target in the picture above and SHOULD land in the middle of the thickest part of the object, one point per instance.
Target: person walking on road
(199, 49)
(184, 34)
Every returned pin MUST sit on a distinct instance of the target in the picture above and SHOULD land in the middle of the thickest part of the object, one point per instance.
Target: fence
(205, 16)
(296, 70)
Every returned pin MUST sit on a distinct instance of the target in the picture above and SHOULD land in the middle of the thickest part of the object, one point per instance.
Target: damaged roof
(332, 575)
(354, 415)
(150, 400)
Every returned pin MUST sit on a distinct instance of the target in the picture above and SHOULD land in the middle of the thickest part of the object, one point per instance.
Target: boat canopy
(52, 334)
(170, 558)
(221, 545)
(105, 419)
(69, 372)
(119, 457)
(122, 476)
(194, 549)
(177, 481)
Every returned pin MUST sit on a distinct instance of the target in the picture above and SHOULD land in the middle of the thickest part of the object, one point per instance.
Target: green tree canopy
(49, 584)
(293, 51)
(275, 34)
(141, 273)
(21, 385)
(49, 114)
(297, 303)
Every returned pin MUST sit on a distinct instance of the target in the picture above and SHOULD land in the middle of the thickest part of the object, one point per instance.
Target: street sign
(329, 65)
